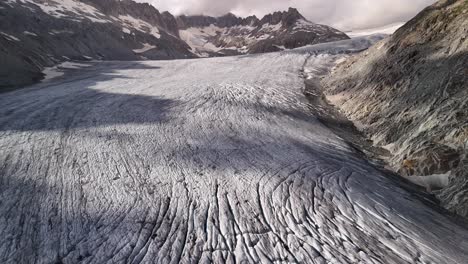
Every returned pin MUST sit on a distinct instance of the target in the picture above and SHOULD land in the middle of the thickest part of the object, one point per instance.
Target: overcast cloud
(342, 14)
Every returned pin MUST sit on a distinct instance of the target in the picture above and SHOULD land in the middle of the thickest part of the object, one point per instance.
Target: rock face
(410, 94)
(51, 31)
(231, 35)
(143, 11)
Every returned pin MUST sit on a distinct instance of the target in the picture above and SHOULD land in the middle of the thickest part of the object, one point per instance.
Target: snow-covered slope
(206, 160)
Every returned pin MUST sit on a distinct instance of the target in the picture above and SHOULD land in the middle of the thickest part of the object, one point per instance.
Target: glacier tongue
(206, 160)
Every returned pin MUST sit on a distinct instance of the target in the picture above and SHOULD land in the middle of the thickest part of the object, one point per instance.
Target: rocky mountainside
(231, 35)
(409, 93)
(41, 33)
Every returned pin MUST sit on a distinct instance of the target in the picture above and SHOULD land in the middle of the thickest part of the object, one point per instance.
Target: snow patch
(140, 25)
(59, 70)
(30, 33)
(269, 27)
(304, 25)
(281, 47)
(52, 73)
(430, 182)
(9, 37)
(198, 39)
(57, 32)
(145, 48)
(74, 65)
(67, 9)
(126, 30)
(263, 37)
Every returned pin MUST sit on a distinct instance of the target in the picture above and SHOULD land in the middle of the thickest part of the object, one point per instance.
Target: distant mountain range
(231, 35)
(41, 33)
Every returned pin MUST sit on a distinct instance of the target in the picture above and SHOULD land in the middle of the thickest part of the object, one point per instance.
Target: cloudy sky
(342, 14)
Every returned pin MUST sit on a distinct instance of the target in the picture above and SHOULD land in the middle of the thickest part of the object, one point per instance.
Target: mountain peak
(288, 18)
(250, 21)
(292, 16)
(292, 10)
(229, 15)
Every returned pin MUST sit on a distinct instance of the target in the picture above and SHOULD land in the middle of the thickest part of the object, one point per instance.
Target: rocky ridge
(409, 93)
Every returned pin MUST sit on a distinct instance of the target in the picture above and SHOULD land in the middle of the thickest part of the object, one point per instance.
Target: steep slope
(142, 11)
(228, 35)
(410, 94)
(37, 33)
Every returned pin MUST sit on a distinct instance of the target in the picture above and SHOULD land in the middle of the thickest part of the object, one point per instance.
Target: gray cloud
(342, 14)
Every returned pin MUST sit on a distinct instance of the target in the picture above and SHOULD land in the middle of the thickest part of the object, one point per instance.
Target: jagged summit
(289, 17)
(227, 20)
(250, 20)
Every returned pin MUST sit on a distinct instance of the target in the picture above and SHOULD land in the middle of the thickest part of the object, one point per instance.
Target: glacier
(203, 160)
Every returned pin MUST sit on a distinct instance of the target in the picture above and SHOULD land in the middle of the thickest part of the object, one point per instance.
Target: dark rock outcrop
(409, 93)
(288, 18)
